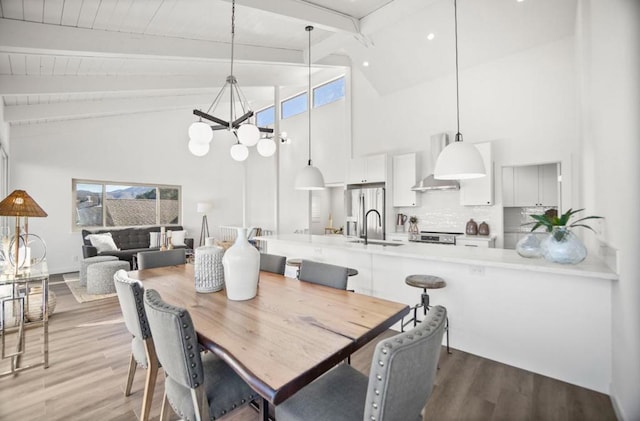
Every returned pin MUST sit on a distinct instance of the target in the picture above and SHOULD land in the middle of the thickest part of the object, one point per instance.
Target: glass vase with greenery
(562, 245)
(551, 220)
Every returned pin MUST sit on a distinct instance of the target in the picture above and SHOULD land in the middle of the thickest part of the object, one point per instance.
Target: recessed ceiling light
(365, 63)
(431, 36)
(519, 1)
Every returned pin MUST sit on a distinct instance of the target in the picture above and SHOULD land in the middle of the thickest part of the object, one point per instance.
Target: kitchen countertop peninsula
(592, 266)
(543, 317)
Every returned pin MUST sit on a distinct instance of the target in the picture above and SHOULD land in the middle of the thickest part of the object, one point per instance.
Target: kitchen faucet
(365, 223)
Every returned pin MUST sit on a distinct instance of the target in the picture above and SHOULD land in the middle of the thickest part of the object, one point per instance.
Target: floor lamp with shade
(203, 208)
(20, 204)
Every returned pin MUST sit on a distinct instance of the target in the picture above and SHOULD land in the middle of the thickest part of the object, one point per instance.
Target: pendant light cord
(233, 36)
(309, 29)
(455, 14)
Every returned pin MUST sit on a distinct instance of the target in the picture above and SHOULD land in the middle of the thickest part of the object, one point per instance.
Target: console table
(14, 315)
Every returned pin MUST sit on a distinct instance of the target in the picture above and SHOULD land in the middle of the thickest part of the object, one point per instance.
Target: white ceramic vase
(241, 268)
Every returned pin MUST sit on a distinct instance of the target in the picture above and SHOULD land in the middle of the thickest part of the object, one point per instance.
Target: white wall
(612, 162)
(525, 104)
(147, 148)
(330, 142)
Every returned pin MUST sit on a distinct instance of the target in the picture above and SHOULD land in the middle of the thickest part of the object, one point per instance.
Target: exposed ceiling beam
(307, 13)
(54, 85)
(37, 38)
(103, 107)
(389, 14)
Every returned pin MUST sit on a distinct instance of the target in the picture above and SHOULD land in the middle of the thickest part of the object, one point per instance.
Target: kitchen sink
(378, 243)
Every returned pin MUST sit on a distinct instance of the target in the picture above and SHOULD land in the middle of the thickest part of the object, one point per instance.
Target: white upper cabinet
(368, 169)
(404, 177)
(479, 191)
(548, 185)
(530, 185)
(525, 181)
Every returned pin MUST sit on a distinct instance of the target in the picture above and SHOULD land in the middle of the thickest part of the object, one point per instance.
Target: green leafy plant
(550, 220)
(413, 219)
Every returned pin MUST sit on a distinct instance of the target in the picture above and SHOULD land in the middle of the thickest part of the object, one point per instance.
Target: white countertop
(592, 266)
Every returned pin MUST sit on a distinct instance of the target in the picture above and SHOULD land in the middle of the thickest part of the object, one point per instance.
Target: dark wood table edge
(278, 396)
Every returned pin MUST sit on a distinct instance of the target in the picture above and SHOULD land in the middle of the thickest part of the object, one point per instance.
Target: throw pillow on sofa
(177, 238)
(154, 239)
(102, 242)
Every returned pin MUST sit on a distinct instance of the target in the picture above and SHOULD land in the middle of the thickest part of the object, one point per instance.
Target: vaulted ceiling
(67, 59)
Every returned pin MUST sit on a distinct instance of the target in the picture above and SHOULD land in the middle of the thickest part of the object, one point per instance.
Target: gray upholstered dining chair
(156, 259)
(324, 274)
(130, 295)
(400, 381)
(272, 263)
(197, 386)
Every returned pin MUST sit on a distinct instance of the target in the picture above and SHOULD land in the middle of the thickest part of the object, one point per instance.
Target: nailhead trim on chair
(436, 315)
(155, 299)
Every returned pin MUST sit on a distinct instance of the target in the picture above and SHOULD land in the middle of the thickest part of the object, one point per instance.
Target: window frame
(313, 98)
(306, 107)
(257, 113)
(104, 183)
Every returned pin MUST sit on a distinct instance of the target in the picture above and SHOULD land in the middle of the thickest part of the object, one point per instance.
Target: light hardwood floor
(89, 350)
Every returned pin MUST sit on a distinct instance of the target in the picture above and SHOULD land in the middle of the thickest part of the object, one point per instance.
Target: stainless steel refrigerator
(359, 200)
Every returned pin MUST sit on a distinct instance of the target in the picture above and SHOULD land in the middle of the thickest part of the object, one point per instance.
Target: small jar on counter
(472, 227)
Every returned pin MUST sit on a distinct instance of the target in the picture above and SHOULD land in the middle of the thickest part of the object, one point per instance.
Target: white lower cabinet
(476, 241)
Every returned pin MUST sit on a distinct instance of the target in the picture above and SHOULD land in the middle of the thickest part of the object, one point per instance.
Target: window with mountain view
(102, 204)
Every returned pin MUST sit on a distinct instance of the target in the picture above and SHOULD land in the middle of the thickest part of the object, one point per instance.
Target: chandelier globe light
(200, 132)
(266, 147)
(238, 125)
(310, 177)
(239, 152)
(459, 160)
(198, 149)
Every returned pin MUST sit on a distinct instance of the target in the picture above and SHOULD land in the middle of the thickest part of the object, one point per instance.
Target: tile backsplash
(441, 211)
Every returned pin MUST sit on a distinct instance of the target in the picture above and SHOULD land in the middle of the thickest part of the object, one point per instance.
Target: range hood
(438, 143)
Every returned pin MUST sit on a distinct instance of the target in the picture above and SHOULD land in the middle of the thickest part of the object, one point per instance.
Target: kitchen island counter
(592, 266)
(544, 317)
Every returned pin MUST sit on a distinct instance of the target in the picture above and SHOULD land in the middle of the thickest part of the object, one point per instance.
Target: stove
(436, 237)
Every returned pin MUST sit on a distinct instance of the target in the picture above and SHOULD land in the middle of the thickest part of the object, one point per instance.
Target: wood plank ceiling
(76, 58)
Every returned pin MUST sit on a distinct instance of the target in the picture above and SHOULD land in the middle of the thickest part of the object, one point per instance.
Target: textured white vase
(241, 268)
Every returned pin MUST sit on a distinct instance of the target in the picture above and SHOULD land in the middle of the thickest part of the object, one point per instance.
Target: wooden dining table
(288, 335)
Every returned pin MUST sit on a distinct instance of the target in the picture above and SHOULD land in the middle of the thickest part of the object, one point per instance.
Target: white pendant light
(459, 160)
(266, 147)
(310, 177)
(198, 149)
(239, 152)
(248, 134)
(200, 132)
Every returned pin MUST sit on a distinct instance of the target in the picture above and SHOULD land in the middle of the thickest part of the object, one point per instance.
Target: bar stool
(425, 282)
(295, 262)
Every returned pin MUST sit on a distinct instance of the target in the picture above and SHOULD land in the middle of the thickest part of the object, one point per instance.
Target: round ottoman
(89, 261)
(100, 276)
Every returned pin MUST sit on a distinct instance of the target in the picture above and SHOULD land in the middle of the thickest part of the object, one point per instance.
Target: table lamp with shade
(20, 204)
(203, 208)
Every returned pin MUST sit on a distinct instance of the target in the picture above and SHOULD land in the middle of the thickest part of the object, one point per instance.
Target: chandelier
(238, 124)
